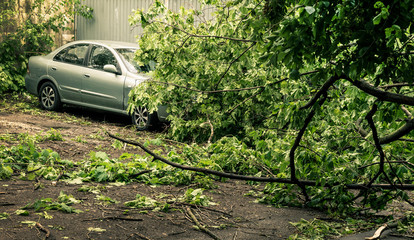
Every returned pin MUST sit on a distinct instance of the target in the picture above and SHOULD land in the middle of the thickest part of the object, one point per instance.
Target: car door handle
(54, 68)
(87, 75)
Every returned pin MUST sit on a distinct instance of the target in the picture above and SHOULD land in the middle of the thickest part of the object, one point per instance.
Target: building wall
(110, 18)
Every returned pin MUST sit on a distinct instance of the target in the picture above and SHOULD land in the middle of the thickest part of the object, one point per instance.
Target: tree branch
(245, 100)
(376, 141)
(408, 113)
(396, 135)
(206, 36)
(241, 20)
(402, 131)
(231, 63)
(252, 178)
(396, 85)
(382, 95)
(231, 90)
(321, 91)
(296, 145)
(360, 129)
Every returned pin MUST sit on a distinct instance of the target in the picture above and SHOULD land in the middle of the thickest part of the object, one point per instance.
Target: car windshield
(128, 55)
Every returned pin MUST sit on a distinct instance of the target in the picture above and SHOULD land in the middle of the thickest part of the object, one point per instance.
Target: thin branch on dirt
(141, 236)
(7, 204)
(377, 233)
(39, 226)
(252, 178)
(114, 218)
(199, 225)
(203, 207)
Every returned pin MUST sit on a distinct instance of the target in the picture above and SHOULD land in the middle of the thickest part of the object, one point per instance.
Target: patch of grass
(53, 135)
(100, 135)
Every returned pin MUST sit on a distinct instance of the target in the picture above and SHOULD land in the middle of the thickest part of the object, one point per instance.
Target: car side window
(101, 56)
(74, 54)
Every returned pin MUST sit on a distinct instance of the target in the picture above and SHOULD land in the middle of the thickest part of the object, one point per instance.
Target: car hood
(139, 77)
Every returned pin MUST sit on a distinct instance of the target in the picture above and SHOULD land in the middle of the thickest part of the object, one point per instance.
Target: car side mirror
(111, 68)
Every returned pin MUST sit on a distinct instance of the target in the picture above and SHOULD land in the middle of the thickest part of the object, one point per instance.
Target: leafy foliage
(31, 35)
(62, 203)
(315, 90)
(320, 229)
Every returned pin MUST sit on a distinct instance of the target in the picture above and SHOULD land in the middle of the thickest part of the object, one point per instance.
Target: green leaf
(22, 212)
(310, 10)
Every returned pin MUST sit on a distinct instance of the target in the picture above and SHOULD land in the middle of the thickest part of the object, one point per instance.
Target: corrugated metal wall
(110, 21)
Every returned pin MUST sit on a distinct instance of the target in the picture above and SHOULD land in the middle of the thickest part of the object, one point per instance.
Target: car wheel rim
(141, 116)
(48, 97)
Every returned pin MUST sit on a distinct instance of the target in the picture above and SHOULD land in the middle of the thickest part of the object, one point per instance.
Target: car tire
(49, 97)
(142, 119)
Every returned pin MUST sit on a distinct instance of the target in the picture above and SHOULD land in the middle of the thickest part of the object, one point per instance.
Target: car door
(99, 87)
(66, 69)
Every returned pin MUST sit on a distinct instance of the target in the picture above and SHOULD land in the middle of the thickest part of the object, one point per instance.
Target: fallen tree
(314, 90)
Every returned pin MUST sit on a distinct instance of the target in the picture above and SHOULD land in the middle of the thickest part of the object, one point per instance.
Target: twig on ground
(141, 236)
(199, 225)
(7, 204)
(377, 233)
(113, 218)
(39, 226)
(203, 207)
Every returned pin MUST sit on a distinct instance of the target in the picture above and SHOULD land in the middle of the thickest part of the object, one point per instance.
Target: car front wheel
(49, 97)
(142, 119)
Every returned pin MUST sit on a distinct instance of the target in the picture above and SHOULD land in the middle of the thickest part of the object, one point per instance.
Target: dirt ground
(236, 216)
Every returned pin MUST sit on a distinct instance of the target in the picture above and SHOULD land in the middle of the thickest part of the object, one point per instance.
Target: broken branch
(252, 178)
(38, 225)
(382, 95)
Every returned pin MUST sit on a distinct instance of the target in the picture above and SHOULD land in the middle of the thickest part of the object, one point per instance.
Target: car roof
(112, 44)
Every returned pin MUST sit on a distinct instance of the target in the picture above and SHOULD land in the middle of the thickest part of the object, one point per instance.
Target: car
(94, 74)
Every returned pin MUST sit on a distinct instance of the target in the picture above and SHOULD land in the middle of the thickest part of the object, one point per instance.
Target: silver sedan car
(94, 74)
